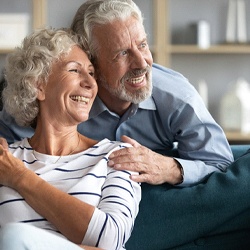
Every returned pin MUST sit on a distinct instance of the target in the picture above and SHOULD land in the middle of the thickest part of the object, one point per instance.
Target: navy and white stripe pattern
(86, 176)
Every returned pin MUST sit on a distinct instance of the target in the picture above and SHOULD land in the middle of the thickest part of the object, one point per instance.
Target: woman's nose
(88, 81)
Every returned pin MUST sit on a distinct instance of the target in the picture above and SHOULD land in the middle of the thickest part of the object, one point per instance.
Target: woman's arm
(89, 248)
(113, 218)
(68, 214)
(112, 223)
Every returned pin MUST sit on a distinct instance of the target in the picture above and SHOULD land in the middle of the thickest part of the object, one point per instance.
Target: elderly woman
(58, 180)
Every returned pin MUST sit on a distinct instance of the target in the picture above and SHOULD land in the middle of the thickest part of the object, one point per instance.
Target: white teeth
(137, 80)
(80, 99)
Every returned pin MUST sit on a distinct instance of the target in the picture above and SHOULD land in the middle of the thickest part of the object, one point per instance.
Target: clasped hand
(153, 168)
(11, 168)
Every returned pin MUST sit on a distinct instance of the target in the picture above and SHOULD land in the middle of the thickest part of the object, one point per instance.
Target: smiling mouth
(78, 98)
(136, 80)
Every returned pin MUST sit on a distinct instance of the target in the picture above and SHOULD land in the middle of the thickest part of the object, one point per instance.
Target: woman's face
(70, 90)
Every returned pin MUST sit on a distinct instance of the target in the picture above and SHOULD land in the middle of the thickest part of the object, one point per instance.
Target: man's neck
(114, 104)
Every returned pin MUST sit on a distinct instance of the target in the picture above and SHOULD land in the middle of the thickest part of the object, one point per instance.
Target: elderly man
(155, 106)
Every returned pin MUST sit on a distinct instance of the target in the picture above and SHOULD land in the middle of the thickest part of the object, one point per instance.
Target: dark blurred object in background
(1, 89)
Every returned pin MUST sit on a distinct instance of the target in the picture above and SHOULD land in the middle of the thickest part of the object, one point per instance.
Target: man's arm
(202, 148)
(202, 145)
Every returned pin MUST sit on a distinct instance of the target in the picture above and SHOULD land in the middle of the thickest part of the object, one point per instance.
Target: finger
(1, 150)
(122, 153)
(4, 143)
(125, 161)
(128, 166)
(131, 141)
(140, 178)
(150, 179)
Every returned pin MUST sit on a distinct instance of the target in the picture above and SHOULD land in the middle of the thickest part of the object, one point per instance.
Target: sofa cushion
(239, 150)
(219, 207)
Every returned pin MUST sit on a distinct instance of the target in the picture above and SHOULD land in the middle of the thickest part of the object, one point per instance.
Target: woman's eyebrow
(80, 64)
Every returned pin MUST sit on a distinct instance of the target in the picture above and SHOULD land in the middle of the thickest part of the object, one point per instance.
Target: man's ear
(41, 91)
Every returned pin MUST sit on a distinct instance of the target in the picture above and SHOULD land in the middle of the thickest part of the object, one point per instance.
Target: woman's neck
(60, 143)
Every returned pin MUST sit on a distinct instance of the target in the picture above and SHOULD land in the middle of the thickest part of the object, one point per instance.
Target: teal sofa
(214, 214)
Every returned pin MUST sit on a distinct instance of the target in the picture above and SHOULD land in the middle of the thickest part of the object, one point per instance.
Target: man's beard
(122, 93)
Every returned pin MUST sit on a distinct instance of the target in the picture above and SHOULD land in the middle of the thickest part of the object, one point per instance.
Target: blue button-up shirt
(174, 115)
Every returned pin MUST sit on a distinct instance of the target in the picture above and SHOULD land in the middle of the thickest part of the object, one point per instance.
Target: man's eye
(124, 53)
(143, 45)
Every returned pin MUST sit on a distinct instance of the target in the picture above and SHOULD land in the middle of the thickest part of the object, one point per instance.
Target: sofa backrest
(158, 223)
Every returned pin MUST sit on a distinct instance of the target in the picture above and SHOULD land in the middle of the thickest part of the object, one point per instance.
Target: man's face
(124, 62)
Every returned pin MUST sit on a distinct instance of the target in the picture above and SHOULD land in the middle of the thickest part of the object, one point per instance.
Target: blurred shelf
(215, 49)
(39, 13)
(5, 51)
(163, 50)
(235, 137)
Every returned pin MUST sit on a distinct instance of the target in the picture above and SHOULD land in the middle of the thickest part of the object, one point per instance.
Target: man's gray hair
(100, 12)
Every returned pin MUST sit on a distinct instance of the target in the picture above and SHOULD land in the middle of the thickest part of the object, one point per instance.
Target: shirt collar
(148, 104)
(99, 107)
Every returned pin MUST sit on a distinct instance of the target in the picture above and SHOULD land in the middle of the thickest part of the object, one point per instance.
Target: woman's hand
(3, 142)
(11, 168)
(89, 248)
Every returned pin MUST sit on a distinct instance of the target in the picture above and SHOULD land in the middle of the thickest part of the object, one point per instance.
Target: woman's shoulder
(109, 146)
(112, 144)
(17, 144)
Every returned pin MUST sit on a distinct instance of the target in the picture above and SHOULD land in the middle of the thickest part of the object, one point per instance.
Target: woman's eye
(92, 73)
(73, 70)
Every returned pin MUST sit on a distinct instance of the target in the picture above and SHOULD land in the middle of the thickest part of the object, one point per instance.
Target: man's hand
(153, 168)
(3, 142)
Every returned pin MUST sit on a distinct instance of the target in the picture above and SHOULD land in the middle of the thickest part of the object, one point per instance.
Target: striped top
(86, 176)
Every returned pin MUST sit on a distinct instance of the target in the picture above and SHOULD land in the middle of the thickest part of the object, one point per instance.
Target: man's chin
(136, 97)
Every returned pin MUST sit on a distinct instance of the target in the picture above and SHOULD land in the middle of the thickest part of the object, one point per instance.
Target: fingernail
(117, 166)
(110, 163)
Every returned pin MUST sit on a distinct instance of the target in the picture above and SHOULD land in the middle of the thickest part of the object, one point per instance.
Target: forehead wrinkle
(119, 35)
(131, 35)
(123, 41)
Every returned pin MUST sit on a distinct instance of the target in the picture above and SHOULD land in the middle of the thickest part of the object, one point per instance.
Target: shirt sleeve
(202, 144)
(113, 219)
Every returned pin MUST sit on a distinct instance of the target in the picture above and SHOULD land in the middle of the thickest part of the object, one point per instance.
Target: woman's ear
(41, 91)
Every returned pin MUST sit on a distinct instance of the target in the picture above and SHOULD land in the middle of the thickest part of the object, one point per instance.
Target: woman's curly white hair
(29, 65)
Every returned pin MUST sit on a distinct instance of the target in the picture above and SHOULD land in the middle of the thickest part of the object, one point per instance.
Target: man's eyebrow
(119, 50)
(144, 39)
